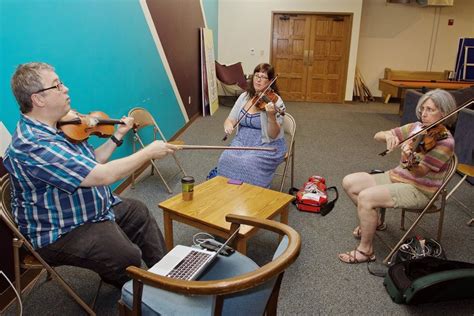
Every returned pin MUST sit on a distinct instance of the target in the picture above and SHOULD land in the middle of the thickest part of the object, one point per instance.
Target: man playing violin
(260, 124)
(412, 183)
(61, 198)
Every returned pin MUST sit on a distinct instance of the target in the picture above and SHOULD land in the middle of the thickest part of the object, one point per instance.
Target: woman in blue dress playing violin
(258, 114)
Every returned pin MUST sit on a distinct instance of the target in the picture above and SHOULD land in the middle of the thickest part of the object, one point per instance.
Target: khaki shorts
(403, 195)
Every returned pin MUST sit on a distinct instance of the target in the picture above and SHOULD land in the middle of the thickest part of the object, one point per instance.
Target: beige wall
(410, 37)
(245, 25)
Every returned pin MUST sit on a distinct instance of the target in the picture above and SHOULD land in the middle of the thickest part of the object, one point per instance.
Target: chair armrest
(234, 284)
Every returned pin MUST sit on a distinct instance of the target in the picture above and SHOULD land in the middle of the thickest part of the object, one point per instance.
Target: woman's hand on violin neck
(270, 108)
(159, 149)
(123, 129)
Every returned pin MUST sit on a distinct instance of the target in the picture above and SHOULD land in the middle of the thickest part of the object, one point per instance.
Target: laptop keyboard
(189, 265)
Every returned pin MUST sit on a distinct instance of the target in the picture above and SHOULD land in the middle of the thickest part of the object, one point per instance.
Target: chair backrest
(234, 286)
(5, 198)
(143, 118)
(464, 142)
(289, 126)
(6, 208)
(441, 193)
(450, 171)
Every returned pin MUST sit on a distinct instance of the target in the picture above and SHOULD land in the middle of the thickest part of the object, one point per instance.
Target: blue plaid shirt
(46, 170)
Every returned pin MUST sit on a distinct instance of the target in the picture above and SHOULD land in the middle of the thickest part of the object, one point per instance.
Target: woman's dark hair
(267, 69)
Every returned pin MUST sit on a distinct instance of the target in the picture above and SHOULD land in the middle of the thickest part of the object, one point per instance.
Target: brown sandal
(356, 232)
(352, 257)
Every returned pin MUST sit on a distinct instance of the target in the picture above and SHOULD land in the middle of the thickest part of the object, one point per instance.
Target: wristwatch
(116, 141)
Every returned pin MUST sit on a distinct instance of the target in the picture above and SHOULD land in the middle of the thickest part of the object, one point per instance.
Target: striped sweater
(436, 160)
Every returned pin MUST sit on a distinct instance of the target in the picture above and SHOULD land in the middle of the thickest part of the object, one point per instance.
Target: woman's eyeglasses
(260, 77)
(428, 110)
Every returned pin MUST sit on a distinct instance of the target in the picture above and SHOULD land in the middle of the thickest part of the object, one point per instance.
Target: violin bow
(183, 146)
(466, 104)
(253, 104)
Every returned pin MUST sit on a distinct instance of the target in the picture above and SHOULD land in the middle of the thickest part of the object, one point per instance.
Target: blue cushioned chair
(463, 138)
(233, 285)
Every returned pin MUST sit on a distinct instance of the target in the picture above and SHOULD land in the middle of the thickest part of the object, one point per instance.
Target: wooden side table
(214, 199)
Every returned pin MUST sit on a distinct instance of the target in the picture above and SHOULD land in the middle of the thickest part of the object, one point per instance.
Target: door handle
(305, 57)
(310, 59)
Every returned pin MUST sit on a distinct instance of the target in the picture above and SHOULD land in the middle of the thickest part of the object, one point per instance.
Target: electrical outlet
(252, 51)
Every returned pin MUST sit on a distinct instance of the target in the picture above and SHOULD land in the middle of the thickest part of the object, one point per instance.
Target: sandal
(352, 257)
(356, 232)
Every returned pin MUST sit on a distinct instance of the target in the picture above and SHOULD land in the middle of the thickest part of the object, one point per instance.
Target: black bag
(429, 280)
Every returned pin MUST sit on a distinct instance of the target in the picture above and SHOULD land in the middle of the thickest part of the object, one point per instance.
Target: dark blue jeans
(109, 247)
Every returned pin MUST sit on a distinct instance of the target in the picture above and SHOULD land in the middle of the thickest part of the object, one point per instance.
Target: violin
(261, 100)
(452, 113)
(423, 143)
(78, 127)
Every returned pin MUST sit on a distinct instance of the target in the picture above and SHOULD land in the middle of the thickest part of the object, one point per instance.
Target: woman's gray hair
(26, 81)
(443, 100)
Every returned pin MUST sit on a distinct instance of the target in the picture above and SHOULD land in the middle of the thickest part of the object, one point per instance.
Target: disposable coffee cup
(187, 185)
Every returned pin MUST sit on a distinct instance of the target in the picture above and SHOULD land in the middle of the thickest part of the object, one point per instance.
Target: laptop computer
(187, 263)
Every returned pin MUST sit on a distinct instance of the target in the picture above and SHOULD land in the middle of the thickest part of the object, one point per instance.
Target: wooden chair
(32, 260)
(233, 285)
(143, 118)
(439, 197)
(289, 125)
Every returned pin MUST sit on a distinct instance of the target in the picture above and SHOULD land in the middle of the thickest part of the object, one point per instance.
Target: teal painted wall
(102, 50)
(211, 11)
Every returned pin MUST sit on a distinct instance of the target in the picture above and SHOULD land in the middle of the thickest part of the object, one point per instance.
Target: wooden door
(290, 47)
(310, 55)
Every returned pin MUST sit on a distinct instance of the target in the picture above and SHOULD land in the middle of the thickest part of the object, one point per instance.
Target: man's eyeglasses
(261, 77)
(59, 87)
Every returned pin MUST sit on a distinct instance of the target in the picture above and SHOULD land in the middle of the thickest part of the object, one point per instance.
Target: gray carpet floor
(332, 141)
